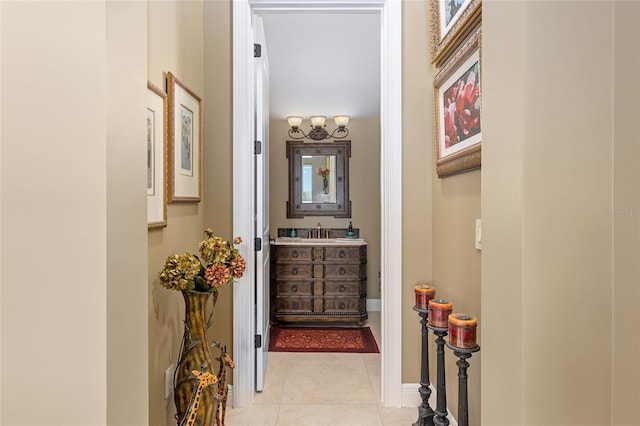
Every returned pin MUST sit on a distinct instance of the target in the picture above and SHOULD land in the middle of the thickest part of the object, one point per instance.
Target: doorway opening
(391, 185)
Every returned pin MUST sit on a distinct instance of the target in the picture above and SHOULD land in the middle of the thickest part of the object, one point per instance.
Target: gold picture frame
(450, 22)
(156, 157)
(457, 110)
(185, 142)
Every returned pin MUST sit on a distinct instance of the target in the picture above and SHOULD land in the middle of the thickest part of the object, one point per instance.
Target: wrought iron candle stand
(463, 402)
(440, 418)
(425, 412)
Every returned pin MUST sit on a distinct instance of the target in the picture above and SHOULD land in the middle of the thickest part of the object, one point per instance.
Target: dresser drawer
(341, 304)
(344, 271)
(294, 288)
(293, 253)
(338, 288)
(294, 304)
(293, 270)
(353, 254)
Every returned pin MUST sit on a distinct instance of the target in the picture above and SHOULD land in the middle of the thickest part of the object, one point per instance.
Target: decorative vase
(195, 354)
(325, 185)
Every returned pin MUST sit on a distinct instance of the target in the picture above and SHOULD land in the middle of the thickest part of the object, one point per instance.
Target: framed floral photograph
(185, 142)
(457, 106)
(450, 22)
(156, 157)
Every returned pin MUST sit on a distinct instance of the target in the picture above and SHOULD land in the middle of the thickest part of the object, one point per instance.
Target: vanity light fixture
(318, 130)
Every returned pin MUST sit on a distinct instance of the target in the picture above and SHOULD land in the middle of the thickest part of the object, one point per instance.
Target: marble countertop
(318, 241)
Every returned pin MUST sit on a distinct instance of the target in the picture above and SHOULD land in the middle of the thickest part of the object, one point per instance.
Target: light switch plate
(479, 234)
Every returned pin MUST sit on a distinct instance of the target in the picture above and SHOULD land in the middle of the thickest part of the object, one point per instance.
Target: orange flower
(217, 275)
(237, 267)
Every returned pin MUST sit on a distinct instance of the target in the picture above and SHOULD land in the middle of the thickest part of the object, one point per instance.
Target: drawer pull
(294, 288)
(295, 305)
(342, 254)
(342, 288)
(294, 253)
(294, 271)
(341, 306)
(342, 271)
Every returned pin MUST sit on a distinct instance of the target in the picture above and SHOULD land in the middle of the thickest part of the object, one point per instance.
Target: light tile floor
(304, 389)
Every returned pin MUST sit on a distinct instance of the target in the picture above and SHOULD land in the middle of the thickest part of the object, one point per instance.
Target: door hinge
(257, 50)
(257, 341)
(257, 147)
(258, 243)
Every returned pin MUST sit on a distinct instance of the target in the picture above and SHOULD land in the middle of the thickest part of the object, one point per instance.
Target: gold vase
(195, 354)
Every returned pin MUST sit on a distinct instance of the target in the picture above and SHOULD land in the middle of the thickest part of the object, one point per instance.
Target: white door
(261, 67)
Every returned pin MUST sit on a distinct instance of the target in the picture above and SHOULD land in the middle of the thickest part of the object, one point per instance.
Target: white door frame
(391, 186)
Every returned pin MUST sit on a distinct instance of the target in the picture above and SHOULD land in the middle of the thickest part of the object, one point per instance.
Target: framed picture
(450, 22)
(156, 157)
(185, 142)
(457, 106)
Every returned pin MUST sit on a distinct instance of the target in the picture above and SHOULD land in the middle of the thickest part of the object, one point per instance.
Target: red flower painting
(461, 108)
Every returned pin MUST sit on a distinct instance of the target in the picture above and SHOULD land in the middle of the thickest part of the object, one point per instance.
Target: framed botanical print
(457, 106)
(156, 157)
(450, 22)
(185, 142)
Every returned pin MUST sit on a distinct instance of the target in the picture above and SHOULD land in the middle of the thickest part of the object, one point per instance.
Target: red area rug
(322, 339)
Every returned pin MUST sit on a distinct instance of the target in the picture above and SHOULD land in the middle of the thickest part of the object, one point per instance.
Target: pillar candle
(439, 310)
(462, 330)
(424, 293)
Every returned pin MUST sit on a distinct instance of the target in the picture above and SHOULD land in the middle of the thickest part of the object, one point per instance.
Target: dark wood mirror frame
(342, 151)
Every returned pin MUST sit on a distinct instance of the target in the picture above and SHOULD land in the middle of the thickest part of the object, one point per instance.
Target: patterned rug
(322, 339)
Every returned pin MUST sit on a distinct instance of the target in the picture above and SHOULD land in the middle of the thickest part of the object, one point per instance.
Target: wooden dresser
(318, 282)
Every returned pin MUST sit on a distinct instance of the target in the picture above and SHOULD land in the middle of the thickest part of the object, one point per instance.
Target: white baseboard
(411, 398)
(410, 395)
(374, 305)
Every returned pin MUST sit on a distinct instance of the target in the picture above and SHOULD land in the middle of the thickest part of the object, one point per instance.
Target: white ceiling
(323, 64)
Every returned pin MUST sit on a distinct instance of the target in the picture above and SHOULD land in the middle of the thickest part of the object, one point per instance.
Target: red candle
(424, 293)
(439, 310)
(462, 330)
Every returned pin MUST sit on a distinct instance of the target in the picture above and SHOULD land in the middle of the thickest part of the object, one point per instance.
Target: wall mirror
(318, 179)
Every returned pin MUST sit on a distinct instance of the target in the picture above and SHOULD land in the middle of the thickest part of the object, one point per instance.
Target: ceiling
(323, 64)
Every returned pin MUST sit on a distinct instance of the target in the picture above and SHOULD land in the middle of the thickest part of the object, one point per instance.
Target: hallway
(322, 389)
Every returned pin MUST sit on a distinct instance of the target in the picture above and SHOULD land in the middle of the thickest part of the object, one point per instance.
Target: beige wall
(559, 273)
(502, 255)
(180, 43)
(175, 43)
(417, 164)
(71, 190)
(127, 331)
(456, 270)
(626, 223)
(218, 162)
(364, 189)
(438, 218)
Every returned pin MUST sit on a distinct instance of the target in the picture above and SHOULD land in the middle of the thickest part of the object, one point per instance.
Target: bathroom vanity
(318, 280)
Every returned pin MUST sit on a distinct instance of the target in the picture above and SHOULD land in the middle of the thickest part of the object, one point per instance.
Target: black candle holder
(463, 399)
(425, 412)
(440, 418)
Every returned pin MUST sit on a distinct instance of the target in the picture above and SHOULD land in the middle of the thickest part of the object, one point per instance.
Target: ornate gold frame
(470, 157)
(183, 188)
(157, 97)
(442, 45)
